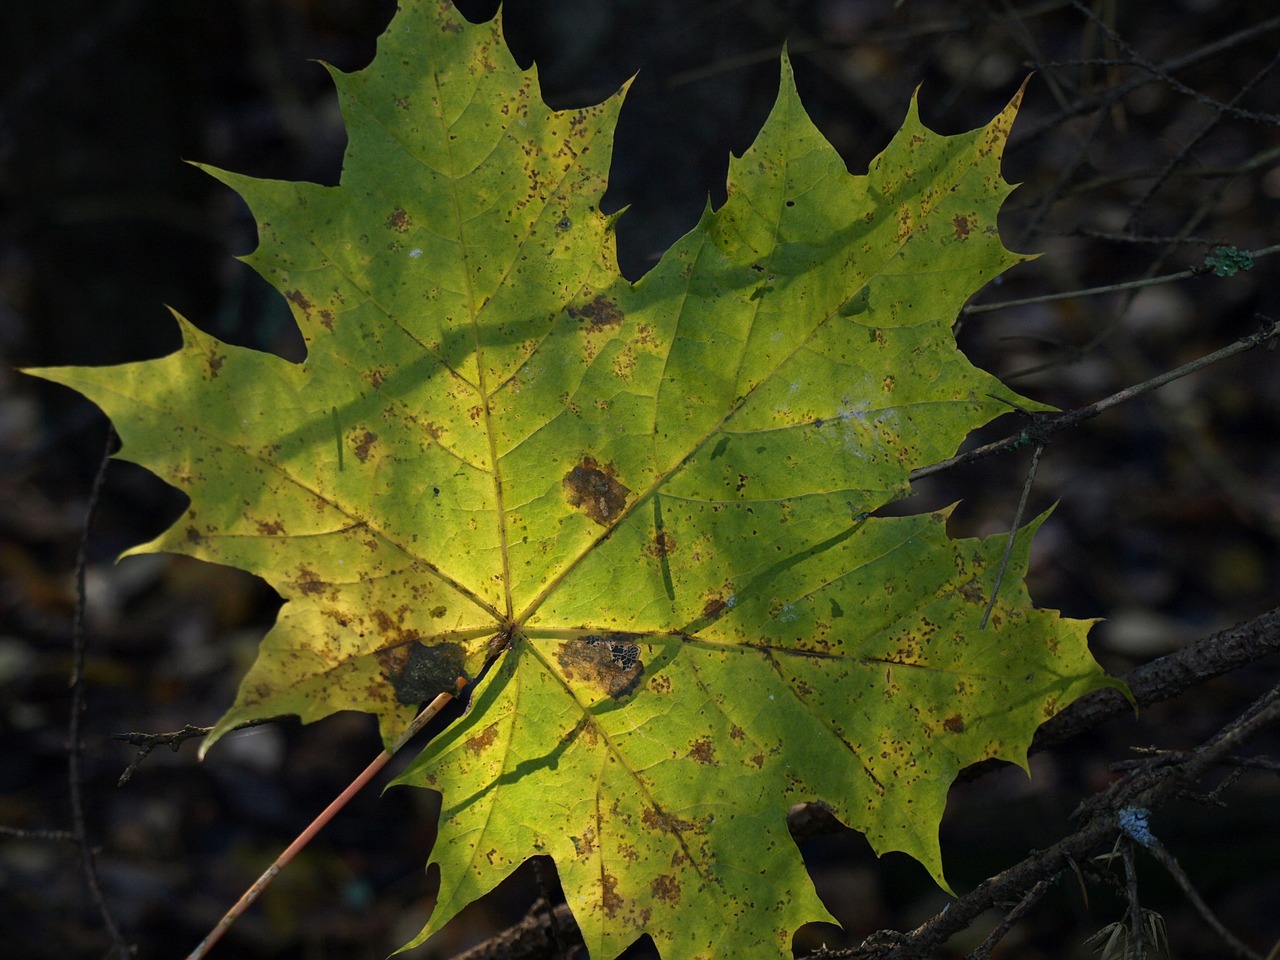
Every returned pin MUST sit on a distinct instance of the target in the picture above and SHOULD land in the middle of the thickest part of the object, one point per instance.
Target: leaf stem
(305, 837)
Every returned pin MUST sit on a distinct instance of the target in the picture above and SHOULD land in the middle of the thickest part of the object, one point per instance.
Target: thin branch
(1170, 863)
(146, 742)
(1013, 534)
(1052, 426)
(1106, 288)
(1111, 95)
(1020, 910)
(75, 773)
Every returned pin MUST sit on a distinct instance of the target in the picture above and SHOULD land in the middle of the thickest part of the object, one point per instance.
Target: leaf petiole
(250, 895)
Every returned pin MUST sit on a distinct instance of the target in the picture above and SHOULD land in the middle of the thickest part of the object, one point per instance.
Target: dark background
(1168, 512)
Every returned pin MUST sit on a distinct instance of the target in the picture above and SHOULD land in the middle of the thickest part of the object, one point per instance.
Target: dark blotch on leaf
(666, 888)
(594, 489)
(309, 582)
(953, 724)
(600, 312)
(366, 443)
(481, 741)
(703, 751)
(418, 673)
(399, 221)
(611, 664)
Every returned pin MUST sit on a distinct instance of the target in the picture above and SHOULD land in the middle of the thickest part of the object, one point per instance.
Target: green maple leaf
(648, 505)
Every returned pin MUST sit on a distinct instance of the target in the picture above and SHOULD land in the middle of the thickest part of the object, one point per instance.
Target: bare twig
(1105, 288)
(75, 787)
(1013, 534)
(1020, 910)
(1055, 425)
(1167, 860)
(146, 742)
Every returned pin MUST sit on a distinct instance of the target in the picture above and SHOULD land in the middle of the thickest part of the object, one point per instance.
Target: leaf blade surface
(647, 505)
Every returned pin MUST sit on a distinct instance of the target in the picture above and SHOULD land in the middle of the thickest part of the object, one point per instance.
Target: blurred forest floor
(1150, 135)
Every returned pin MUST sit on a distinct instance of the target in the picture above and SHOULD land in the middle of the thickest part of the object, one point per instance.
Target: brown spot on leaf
(299, 300)
(667, 822)
(194, 535)
(609, 898)
(481, 741)
(309, 582)
(953, 724)
(703, 751)
(399, 221)
(611, 664)
(598, 314)
(584, 844)
(666, 888)
(594, 488)
(215, 364)
(961, 224)
(326, 318)
(273, 529)
(366, 443)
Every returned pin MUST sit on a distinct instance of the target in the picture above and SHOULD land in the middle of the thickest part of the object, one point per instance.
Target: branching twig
(75, 787)
(146, 742)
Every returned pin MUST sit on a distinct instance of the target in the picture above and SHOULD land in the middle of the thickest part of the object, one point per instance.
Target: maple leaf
(638, 515)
